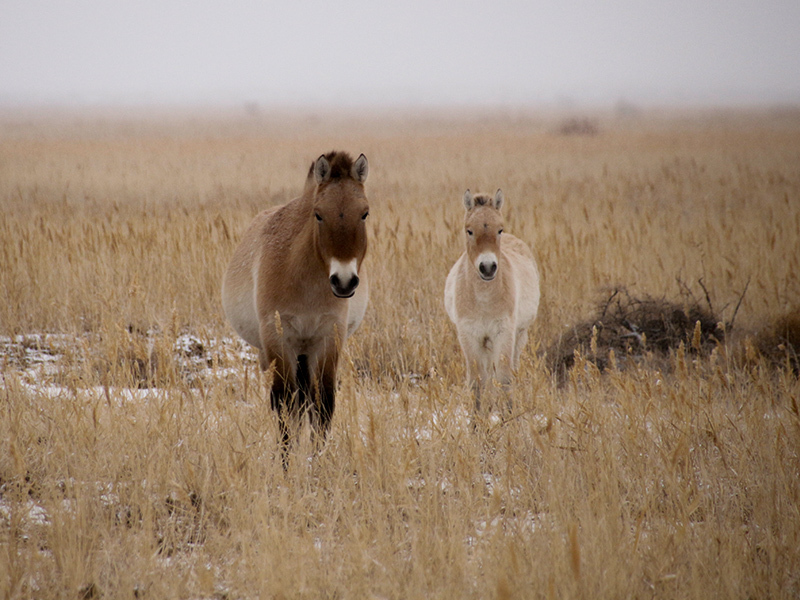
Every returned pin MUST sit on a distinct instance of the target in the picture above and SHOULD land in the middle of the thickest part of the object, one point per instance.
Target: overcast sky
(404, 52)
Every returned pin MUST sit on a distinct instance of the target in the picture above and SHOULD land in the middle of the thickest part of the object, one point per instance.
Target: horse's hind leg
(519, 346)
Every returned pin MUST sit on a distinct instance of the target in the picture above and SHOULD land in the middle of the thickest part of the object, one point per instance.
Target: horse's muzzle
(343, 289)
(487, 270)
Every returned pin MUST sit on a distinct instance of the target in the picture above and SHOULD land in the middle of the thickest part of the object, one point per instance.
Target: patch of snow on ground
(38, 362)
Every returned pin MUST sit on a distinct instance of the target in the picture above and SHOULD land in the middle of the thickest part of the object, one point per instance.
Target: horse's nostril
(344, 289)
(488, 269)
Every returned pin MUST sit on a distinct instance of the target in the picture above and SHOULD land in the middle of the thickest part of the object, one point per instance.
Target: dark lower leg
(303, 379)
(324, 403)
(283, 399)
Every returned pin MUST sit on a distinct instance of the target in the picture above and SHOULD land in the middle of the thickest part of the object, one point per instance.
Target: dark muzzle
(342, 289)
(488, 270)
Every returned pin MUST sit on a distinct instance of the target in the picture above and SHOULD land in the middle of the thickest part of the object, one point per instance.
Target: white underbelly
(240, 309)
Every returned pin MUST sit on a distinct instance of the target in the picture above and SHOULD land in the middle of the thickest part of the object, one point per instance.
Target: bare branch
(708, 298)
(738, 304)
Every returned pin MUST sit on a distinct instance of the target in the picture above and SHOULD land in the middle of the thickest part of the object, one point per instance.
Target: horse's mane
(482, 200)
(341, 165)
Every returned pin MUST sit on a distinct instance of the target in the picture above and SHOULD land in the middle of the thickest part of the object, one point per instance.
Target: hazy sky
(407, 52)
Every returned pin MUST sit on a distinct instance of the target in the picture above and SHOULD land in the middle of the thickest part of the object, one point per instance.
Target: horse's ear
(322, 170)
(468, 201)
(498, 199)
(360, 169)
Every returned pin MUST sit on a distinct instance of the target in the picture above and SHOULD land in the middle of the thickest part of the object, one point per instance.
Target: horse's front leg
(324, 396)
(284, 401)
(504, 362)
(476, 361)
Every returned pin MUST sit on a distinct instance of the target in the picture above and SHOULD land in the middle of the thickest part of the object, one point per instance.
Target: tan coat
(491, 295)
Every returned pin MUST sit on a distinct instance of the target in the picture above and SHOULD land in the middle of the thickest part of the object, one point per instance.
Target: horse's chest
(305, 331)
(484, 332)
(485, 301)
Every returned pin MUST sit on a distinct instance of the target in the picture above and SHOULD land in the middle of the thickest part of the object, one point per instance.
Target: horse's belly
(246, 327)
(357, 305)
(528, 294)
(239, 306)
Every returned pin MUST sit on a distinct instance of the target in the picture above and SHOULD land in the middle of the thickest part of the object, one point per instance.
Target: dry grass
(138, 462)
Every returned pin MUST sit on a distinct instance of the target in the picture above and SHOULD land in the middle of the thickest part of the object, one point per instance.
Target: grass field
(138, 454)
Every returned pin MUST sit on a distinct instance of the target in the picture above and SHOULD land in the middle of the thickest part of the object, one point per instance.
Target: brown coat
(296, 286)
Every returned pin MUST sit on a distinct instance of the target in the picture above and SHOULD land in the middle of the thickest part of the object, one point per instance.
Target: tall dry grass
(676, 477)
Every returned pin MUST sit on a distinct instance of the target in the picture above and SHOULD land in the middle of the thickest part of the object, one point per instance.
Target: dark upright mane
(341, 165)
(482, 200)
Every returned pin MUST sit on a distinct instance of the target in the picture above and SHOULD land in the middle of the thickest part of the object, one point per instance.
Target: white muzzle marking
(344, 277)
(344, 270)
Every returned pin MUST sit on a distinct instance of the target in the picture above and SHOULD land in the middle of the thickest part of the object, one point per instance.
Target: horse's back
(450, 289)
(526, 273)
(239, 282)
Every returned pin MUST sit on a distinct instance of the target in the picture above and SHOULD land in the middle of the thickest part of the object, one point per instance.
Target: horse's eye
(499, 232)
(364, 216)
(469, 231)
(318, 217)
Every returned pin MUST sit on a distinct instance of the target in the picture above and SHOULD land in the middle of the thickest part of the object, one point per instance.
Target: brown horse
(296, 288)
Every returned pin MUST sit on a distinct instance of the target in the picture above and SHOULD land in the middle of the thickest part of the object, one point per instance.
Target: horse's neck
(303, 255)
(489, 291)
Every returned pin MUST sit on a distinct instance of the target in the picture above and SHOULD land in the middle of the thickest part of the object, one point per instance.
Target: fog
(411, 53)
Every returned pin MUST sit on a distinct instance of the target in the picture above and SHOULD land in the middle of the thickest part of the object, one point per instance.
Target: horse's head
(340, 212)
(483, 227)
